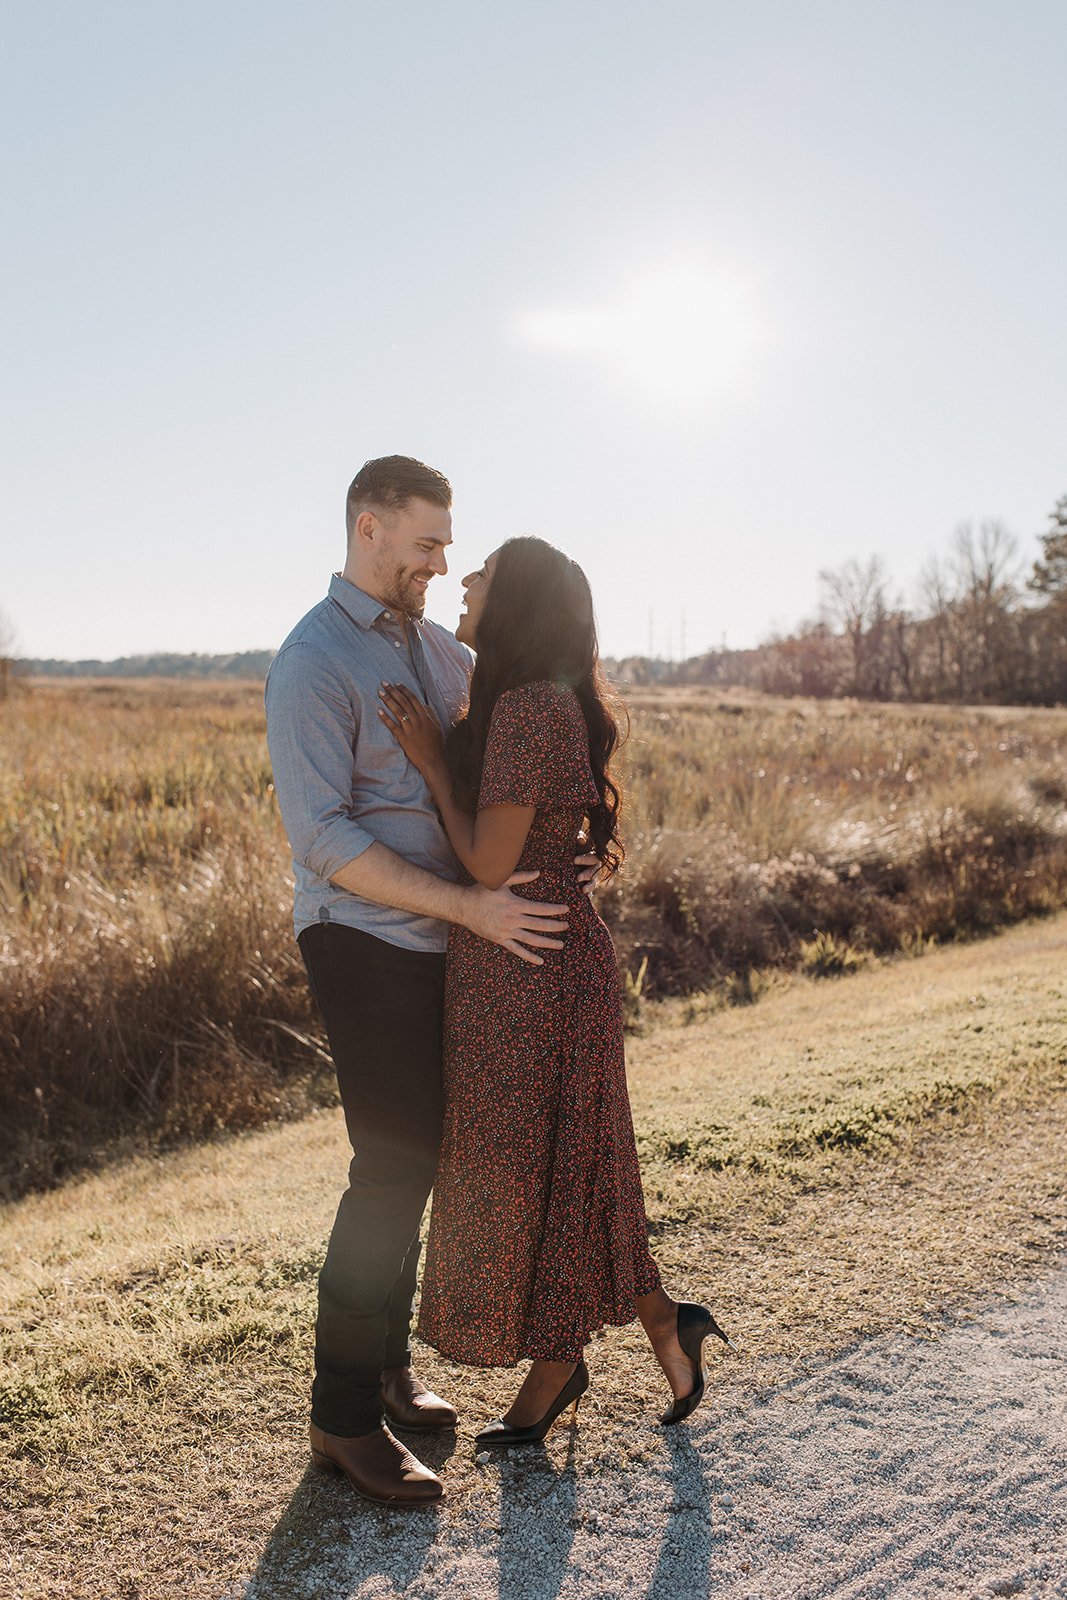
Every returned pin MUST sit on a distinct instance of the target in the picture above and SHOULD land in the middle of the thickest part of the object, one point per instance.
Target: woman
(538, 1234)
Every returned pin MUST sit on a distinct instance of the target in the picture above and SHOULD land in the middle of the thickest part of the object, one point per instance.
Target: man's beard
(399, 594)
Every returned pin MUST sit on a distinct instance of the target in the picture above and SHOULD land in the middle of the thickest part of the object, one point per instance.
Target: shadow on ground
(329, 1545)
(682, 1570)
(329, 1542)
(538, 1522)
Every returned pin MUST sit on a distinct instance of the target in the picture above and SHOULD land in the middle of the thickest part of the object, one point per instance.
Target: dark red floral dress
(538, 1233)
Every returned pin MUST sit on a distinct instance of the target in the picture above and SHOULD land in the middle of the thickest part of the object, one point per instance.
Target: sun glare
(681, 332)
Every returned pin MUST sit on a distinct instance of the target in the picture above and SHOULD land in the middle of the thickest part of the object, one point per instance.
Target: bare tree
(986, 568)
(987, 562)
(854, 600)
(901, 651)
(937, 598)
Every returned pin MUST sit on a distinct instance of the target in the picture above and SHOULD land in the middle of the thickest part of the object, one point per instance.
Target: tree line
(982, 631)
(243, 664)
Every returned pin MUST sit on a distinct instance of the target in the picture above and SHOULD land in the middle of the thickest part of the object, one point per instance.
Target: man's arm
(379, 874)
(311, 733)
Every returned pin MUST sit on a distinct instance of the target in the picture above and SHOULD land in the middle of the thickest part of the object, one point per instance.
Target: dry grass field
(150, 988)
(850, 1156)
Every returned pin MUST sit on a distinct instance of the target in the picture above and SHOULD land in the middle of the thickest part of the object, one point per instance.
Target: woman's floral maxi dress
(538, 1233)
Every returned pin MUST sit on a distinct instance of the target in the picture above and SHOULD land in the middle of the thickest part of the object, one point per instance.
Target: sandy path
(905, 1468)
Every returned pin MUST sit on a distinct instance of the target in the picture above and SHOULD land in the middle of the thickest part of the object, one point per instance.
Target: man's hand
(507, 919)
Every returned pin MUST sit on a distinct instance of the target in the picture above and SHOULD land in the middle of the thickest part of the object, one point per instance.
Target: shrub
(827, 957)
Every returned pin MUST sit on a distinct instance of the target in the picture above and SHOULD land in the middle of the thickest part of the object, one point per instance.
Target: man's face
(409, 550)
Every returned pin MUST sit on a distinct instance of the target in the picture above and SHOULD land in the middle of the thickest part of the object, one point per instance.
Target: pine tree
(1049, 576)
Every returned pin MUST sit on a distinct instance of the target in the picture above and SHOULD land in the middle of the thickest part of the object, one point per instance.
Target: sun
(681, 332)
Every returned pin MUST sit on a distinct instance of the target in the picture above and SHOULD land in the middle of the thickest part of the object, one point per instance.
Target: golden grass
(757, 824)
(150, 986)
(848, 1157)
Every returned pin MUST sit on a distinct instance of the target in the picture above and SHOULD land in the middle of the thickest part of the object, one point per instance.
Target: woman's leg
(659, 1318)
(540, 1387)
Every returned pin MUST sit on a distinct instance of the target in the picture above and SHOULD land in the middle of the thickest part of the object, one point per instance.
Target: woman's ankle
(658, 1314)
(538, 1389)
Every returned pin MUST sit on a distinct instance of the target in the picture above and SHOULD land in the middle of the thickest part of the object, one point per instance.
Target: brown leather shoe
(409, 1404)
(377, 1466)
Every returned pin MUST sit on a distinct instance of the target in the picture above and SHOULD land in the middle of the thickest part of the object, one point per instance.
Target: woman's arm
(490, 842)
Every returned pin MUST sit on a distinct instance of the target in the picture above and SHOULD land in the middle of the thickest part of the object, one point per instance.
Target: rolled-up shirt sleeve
(311, 734)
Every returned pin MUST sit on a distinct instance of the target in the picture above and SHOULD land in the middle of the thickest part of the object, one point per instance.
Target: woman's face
(476, 588)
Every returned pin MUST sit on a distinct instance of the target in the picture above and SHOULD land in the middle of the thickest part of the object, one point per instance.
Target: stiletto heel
(500, 1434)
(694, 1325)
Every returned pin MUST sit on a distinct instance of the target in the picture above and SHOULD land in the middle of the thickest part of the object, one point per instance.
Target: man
(375, 891)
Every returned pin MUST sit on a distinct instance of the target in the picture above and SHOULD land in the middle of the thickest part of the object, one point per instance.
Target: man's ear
(365, 529)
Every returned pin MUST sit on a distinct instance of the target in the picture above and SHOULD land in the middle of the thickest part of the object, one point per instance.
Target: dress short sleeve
(537, 750)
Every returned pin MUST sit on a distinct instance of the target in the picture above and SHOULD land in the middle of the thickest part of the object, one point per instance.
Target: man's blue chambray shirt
(343, 782)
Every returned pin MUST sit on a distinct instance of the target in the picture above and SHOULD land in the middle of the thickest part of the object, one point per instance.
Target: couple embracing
(435, 789)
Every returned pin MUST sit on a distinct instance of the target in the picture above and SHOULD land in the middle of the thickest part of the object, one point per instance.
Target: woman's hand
(589, 866)
(589, 870)
(414, 727)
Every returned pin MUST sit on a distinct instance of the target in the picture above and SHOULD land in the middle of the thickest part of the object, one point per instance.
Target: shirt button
(388, 615)
(396, 644)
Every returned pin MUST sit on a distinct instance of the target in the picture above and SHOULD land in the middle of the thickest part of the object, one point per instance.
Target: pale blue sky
(712, 295)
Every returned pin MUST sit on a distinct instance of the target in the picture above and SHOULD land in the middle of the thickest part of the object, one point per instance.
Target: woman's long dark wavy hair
(537, 623)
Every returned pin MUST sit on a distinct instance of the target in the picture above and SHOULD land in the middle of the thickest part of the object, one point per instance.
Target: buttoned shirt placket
(409, 644)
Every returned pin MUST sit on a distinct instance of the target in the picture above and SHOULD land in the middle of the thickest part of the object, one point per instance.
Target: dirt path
(905, 1468)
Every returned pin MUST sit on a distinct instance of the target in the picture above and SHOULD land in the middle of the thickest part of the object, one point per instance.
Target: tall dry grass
(774, 833)
(148, 978)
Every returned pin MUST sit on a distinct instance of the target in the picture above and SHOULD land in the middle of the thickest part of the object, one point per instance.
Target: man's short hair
(388, 483)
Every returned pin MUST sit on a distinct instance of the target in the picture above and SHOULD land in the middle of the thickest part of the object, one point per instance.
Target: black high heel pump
(499, 1435)
(694, 1325)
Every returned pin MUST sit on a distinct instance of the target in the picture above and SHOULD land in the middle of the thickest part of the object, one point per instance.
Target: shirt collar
(357, 603)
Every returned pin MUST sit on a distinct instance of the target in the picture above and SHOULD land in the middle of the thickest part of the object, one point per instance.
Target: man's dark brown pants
(382, 1008)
